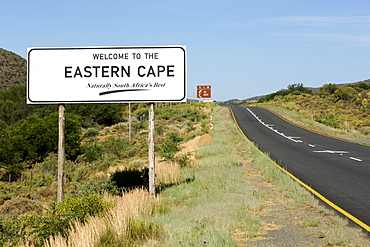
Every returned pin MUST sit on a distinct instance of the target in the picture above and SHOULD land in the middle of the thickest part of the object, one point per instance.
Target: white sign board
(106, 74)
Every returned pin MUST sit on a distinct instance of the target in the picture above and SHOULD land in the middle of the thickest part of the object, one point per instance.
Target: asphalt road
(338, 170)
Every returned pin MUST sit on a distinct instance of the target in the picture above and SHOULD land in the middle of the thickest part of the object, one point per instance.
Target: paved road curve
(338, 170)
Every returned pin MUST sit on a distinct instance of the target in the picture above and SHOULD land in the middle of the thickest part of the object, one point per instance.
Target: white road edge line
(268, 126)
(356, 159)
(331, 152)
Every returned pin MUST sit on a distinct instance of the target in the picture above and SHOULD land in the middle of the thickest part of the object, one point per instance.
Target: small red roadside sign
(204, 91)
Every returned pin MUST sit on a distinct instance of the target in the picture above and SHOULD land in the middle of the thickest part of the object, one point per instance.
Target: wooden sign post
(61, 155)
(151, 155)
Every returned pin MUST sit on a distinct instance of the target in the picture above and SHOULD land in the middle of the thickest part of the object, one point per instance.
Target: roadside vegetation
(102, 160)
(344, 108)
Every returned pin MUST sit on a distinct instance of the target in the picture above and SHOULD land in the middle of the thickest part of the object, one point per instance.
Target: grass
(309, 222)
(216, 206)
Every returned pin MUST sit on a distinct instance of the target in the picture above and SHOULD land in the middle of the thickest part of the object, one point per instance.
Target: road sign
(106, 74)
(204, 91)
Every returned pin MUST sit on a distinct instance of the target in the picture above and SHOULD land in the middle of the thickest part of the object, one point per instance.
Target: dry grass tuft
(167, 173)
(129, 221)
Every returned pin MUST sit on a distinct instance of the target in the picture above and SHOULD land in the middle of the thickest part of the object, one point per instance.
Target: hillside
(257, 98)
(13, 69)
(343, 107)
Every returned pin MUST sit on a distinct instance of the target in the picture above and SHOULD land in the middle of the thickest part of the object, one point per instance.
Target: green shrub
(48, 166)
(80, 207)
(193, 115)
(327, 119)
(170, 146)
(77, 172)
(164, 113)
(184, 160)
(117, 146)
(91, 132)
(96, 187)
(92, 150)
(142, 114)
(37, 228)
(205, 126)
(11, 231)
(39, 180)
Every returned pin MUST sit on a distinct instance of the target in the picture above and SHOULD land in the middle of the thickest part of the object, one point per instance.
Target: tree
(7, 155)
(97, 114)
(328, 89)
(363, 85)
(35, 137)
(346, 94)
(298, 88)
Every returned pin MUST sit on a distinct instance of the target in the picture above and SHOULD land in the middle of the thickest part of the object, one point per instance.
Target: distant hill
(13, 69)
(256, 98)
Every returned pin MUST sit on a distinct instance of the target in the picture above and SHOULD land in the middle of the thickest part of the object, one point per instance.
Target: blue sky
(243, 48)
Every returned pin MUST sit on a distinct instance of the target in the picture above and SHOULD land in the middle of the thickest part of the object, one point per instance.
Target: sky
(242, 48)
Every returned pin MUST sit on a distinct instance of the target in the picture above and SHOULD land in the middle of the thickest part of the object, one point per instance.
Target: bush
(37, 229)
(365, 130)
(91, 132)
(18, 206)
(39, 180)
(92, 150)
(327, 119)
(164, 113)
(80, 207)
(170, 146)
(346, 94)
(184, 159)
(117, 146)
(97, 114)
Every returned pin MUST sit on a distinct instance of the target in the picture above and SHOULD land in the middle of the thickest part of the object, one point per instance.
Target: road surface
(336, 169)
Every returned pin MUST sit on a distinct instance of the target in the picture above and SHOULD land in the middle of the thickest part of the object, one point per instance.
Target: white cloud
(305, 21)
(341, 21)
(335, 29)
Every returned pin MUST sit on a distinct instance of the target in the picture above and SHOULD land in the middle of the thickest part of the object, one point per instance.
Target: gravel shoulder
(285, 224)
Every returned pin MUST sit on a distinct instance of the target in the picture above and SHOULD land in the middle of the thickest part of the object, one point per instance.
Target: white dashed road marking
(356, 159)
